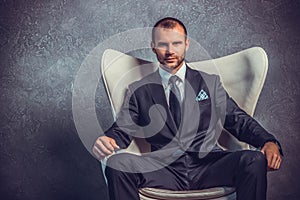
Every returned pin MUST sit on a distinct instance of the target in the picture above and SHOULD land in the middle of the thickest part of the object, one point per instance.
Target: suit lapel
(195, 112)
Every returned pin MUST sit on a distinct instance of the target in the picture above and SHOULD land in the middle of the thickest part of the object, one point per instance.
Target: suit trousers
(245, 170)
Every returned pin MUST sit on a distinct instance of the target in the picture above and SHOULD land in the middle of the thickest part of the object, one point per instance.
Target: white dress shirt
(165, 76)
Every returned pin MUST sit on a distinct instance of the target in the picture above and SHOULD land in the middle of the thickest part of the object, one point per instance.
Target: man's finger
(269, 159)
(113, 142)
(104, 149)
(108, 145)
(277, 165)
(274, 160)
(97, 143)
(98, 153)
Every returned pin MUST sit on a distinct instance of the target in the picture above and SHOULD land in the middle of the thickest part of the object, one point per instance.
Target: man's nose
(170, 49)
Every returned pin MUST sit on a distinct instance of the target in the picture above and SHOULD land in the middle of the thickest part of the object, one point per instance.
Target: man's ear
(187, 43)
(153, 47)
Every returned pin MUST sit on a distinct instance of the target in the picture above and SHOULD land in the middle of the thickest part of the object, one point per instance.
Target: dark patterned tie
(174, 100)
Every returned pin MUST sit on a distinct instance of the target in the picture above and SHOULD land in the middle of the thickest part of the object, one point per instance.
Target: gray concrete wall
(43, 44)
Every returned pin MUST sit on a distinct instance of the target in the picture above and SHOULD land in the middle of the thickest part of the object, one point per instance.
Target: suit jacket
(145, 107)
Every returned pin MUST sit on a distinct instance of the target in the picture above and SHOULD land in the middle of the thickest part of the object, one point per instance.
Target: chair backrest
(242, 74)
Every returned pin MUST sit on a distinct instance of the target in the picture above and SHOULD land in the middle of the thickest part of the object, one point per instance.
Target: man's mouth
(170, 59)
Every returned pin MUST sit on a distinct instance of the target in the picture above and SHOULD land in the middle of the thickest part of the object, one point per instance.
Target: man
(194, 103)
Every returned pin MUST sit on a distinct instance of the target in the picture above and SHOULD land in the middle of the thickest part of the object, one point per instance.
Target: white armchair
(242, 74)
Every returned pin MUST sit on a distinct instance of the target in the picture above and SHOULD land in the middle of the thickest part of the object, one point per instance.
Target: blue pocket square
(201, 96)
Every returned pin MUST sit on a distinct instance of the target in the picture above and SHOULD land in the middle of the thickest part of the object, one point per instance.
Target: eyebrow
(162, 42)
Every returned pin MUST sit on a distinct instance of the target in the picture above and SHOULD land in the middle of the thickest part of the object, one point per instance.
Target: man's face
(170, 46)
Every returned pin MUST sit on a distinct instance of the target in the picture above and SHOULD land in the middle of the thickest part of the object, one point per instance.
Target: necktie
(174, 100)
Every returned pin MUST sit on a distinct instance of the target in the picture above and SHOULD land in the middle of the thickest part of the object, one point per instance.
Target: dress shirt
(165, 76)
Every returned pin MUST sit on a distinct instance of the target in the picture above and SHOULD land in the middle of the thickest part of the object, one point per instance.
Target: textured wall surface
(43, 44)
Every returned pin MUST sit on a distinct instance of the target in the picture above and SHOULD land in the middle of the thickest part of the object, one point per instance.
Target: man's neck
(165, 75)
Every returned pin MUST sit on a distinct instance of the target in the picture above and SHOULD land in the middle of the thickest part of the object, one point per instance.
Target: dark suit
(189, 156)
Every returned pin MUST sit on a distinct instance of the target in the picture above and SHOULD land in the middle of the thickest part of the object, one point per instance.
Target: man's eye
(177, 43)
(161, 44)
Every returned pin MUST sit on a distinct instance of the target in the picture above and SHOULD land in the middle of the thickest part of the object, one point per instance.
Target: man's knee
(115, 165)
(254, 162)
(125, 162)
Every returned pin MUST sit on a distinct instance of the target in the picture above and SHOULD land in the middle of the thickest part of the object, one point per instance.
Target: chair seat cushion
(190, 194)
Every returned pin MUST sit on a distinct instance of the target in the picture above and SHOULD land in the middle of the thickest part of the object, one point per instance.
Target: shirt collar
(165, 75)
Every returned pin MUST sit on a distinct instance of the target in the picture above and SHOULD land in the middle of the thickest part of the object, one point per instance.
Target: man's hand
(271, 151)
(104, 146)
